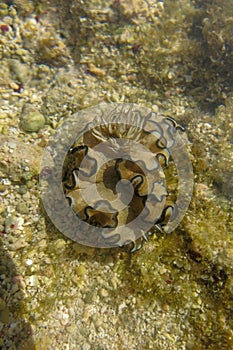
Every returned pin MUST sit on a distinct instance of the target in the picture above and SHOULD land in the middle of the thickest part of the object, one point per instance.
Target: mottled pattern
(125, 187)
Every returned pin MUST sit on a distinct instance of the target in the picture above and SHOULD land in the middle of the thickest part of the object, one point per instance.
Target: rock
(32, 122)
(2, 208)
(3, 189)
(22, 162)
(17, 244)
(10, 223)
(20, 71)
(2, 304)
(81, 270)
(5, 315)
(96, 71)
(22, 208)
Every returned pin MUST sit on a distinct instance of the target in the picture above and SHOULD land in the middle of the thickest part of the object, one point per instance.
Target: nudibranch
(108, 185)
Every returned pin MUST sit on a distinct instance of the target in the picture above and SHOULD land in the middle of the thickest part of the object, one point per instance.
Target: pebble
(3, 6)
(10, 223)
(3, 12)
(14, 86)
(30, 184)
(17, 244)
(96, 71)
(2, 208)
(86, 346)
(22, 208)
(3, 270)
(32, 281)
(20, 70)
(59, 245)
(32, 122)
(29, 262)
(22, 189)
(2, 304)
(81, 270)
(5, 315)
(81, 249)
(103, 292)
(3, 188)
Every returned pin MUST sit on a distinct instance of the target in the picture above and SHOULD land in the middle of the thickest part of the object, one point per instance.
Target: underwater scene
(116, 174)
